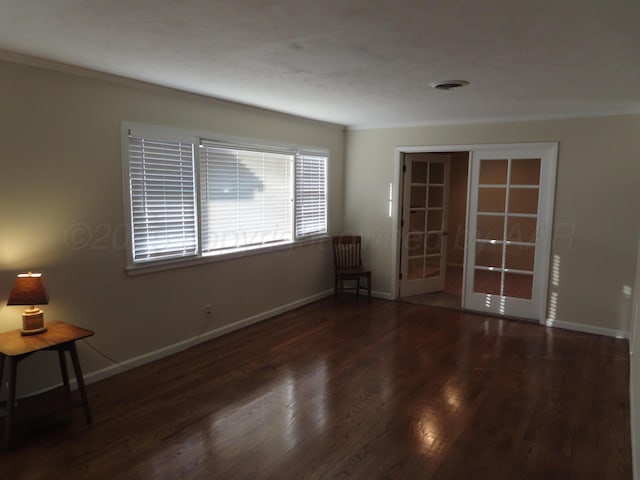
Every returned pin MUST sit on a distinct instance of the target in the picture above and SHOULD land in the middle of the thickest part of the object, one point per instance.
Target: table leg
(11, 399)
(78, 372)
(2, 357)
(63, 369)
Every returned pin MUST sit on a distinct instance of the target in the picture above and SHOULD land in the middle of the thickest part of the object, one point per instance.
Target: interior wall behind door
(458, 181)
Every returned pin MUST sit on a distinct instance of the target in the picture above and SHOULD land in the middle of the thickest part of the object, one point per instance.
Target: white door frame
(396, 230)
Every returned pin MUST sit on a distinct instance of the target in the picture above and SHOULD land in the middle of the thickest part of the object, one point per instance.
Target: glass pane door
(508, 250)
(424, 223)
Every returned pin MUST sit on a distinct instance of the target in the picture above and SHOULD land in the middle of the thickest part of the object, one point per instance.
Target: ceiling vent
(449, 84)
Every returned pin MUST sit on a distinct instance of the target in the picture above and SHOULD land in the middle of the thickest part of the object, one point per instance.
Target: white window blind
(162, 196)
(311, 195)
(246, 197)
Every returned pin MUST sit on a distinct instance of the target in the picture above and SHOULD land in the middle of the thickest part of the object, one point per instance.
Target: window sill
(140, 269)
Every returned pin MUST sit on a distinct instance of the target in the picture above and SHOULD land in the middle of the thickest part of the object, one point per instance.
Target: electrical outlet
(208, 313)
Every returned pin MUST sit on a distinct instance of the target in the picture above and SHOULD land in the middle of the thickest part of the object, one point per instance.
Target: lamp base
(33, 322)
(34, 331)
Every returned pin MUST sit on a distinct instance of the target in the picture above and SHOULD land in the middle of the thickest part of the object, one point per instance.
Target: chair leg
(369, 285)
(335, 285)
(358, 286)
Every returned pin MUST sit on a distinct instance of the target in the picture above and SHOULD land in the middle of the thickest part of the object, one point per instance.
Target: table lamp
(29, 290)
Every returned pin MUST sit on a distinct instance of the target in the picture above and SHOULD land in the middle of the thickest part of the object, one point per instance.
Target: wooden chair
(348, 264)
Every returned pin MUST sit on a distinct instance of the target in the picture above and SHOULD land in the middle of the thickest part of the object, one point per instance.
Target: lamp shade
(28, 290)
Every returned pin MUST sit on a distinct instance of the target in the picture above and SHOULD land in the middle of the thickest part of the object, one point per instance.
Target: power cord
(205, 324)
(104, 355)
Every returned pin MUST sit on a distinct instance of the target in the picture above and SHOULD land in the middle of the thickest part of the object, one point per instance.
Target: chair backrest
(346, 251)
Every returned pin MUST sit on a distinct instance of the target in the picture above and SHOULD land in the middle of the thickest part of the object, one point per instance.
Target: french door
(509, 230)
(424, 222)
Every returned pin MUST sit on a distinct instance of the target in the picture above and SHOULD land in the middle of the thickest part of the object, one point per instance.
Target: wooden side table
(60, 337)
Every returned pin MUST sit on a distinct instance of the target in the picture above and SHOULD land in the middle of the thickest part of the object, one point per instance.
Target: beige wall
(597, 203)
(61, 206)
(62, 212)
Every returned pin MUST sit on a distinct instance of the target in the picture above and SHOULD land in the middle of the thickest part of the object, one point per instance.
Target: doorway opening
(434, 214)
(472, 227)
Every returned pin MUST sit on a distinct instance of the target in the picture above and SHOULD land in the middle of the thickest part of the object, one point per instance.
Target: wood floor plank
(353, 389)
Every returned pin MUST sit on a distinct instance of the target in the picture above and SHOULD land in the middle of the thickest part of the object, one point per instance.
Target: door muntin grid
(426, 219)
(506, 225)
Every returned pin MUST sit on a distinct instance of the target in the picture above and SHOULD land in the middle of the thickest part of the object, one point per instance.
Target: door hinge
(400, 275)
(402, 223)
(404, 168)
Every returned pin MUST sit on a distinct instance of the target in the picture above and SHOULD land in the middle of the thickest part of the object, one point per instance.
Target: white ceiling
(355, 62)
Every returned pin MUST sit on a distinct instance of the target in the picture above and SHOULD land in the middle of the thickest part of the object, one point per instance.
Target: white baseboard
(210, 335)
(581, 327)
(149, 357)
(383, 295)
(374, 294)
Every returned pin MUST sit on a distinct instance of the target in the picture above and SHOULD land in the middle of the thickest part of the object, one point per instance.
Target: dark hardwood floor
(347, 388)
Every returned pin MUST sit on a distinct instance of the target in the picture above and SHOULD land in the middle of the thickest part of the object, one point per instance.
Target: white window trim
(176, 134)
(160, 266)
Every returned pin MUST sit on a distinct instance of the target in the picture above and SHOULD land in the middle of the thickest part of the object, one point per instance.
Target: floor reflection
(452, 396)
(429, 432)
(286, 402)
(357, 389)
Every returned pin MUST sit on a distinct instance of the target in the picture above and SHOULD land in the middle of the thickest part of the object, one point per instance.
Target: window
(196, 198)
(162, 196)
(245, 197)
(311, 195)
